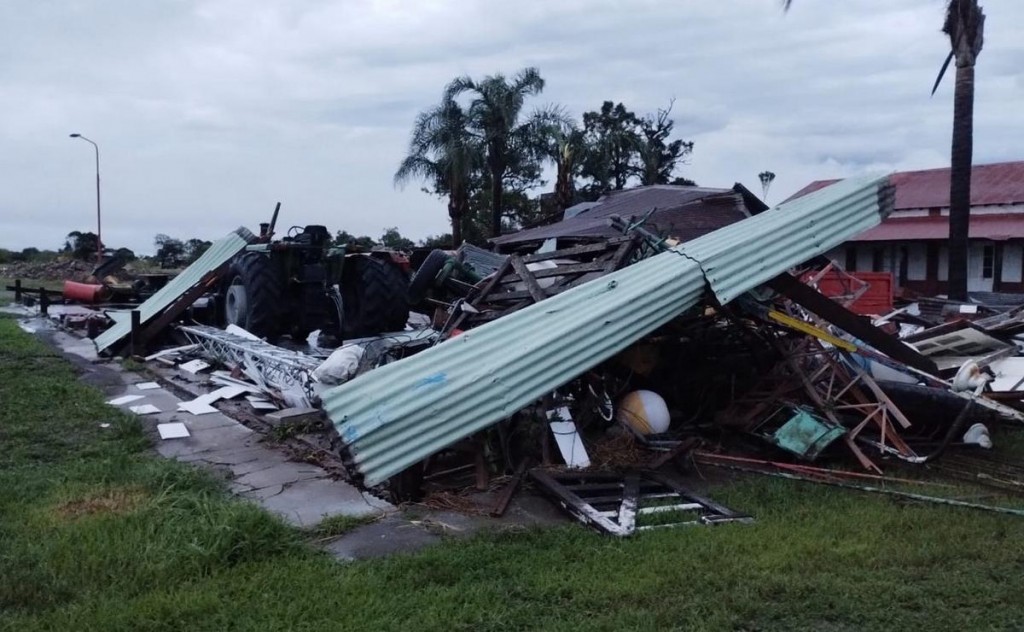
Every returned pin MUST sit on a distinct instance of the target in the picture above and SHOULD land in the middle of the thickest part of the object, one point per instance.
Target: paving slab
(306, 502)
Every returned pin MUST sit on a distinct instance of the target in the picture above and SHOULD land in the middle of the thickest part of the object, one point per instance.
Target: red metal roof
(994, 227)
(999, 183)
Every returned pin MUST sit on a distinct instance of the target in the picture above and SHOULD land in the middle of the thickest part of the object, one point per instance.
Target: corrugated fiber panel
(218, 254)
(403, 412)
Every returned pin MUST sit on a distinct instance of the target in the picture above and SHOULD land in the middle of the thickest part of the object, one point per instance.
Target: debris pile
(587, 369)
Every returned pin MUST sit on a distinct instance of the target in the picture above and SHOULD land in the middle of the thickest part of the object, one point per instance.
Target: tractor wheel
(374, 295)
(253, 297)
(423, 279)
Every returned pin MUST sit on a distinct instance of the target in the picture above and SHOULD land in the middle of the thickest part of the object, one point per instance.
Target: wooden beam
(532, 287)
(851, 323)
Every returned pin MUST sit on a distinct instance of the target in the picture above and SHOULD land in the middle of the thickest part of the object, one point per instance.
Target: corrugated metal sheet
(218, 254)
(994, 184)
(747, 254)
(400, 413)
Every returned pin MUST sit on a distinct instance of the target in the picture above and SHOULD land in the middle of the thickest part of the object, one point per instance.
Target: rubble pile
(70, 269)
(600, 369)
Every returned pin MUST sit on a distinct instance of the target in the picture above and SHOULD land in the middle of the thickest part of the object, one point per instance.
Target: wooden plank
(536, 293)
(570, 253)
(570, 269)
(624, 251)
(505, 496)
(630, 502)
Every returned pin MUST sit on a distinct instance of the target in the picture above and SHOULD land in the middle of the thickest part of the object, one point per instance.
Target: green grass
(95, 534)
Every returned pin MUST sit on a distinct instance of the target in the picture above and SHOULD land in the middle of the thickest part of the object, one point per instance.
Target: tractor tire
(423, 279)
(254, 295)
(375, 297)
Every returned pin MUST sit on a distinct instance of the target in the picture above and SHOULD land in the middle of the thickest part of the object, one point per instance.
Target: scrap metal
(167, 298)
(276, 367)
(399, 414)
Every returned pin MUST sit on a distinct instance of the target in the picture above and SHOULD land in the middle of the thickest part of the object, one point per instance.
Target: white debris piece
(196, 407)
(241, 333)
(176, 430)
(171, 351)
(144, 409)
(194, 366)
(124, 399)
(262, 404)
(568, 439)
(340, 366)
(147, 386)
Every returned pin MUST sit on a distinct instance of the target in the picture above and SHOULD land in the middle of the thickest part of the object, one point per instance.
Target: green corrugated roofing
(400, 413)
(217, 255)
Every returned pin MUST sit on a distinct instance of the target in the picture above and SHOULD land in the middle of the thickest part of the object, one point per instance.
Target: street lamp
(99, 232)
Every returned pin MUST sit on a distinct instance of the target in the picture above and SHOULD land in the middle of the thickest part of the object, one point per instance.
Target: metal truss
(272, 367)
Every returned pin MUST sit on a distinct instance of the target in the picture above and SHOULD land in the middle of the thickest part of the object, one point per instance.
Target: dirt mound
(61, 269)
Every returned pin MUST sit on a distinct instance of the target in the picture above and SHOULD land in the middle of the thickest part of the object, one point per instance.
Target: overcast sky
(207, 112)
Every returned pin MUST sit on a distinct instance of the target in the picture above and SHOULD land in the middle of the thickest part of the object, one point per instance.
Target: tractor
(302, 283)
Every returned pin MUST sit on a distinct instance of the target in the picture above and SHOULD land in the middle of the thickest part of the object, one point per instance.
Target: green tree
(393, 240)
(612, 137)
(495, 113)
(170, 252)
(343, 238)
(194, 248)
(658, 155)
(563, 143)
(81, 245)
(444, 152)
(443, 241)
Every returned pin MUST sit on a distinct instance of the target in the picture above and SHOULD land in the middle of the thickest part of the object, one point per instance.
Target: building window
(988, 259)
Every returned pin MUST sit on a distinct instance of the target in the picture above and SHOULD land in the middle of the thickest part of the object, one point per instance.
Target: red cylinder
(85, 292)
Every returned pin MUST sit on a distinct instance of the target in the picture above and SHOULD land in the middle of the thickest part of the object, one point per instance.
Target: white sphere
(644, 411)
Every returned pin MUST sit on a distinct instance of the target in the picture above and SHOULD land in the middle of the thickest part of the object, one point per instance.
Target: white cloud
(208, 112)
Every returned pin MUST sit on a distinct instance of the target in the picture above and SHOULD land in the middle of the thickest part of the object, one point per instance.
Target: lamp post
(99, 231)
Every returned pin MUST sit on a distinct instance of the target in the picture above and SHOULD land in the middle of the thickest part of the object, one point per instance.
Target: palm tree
(495, 114)
(964, 25)
(560, 140)
(445, 153)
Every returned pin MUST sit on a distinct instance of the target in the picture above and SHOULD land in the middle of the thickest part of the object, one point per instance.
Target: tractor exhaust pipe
(267, 230)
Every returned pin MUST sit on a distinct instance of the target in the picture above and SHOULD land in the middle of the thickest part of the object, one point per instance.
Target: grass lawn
(96, 534)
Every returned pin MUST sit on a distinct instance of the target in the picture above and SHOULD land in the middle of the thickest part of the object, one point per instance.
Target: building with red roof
(912, 243)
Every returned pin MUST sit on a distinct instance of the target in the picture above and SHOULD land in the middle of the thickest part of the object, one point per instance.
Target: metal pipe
(876, 490)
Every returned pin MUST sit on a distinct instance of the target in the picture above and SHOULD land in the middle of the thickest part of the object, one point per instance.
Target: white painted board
(176, 430)
(121, 401)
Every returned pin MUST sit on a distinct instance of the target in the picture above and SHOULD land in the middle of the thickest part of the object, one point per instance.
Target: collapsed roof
(681, 212)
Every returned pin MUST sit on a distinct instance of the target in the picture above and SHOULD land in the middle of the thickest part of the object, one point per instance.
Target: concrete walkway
(302, 493)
